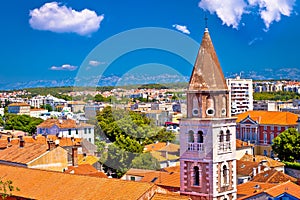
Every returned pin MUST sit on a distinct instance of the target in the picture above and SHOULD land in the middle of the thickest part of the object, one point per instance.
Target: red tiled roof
(62, 124)
(22, 155)
(169, 196)
(85, 169)
(258, 158)
(161, 178)
(241, 144)
(245, 168)
(39, 184)
(19, 104)
(273, 176)
(250, 187)
(270, 117)
(172, 169)
(287, 187)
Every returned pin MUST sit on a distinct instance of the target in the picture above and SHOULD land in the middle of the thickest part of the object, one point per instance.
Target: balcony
(195, 147)
(224, 147)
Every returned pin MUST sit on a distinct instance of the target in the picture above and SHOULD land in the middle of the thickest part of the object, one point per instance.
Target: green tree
(1, 121)
(22, 122)
(145, 161)
(287, 145)
(6, 187)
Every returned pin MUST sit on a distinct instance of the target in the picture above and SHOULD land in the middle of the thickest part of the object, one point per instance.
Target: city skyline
(48, 40)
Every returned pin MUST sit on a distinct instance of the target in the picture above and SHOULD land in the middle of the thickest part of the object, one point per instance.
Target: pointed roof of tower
(207, 73)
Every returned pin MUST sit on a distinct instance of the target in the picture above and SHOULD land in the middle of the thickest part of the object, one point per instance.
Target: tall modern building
(241, 95)
(208, 133)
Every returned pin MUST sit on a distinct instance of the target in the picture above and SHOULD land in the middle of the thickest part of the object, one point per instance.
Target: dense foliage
(21, 122)
(287, 145)
(293, 165)
(276, 96)
(130, 132)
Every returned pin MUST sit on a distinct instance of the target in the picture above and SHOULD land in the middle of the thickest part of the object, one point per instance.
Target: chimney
(74, 156)
(51, 145)
(22, 142)
(254, 172)
(258, 168)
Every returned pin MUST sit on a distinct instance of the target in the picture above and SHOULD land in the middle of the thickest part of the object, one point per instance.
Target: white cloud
(182, 28)
(59, 18)
(95, 63)
(271, 10)
(229, 11)
(254, 40)
(65, 67)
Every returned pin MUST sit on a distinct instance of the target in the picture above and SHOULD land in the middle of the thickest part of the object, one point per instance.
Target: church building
(208, 133)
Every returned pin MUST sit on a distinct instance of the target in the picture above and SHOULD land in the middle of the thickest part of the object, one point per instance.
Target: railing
(195, 147)
(224, 146)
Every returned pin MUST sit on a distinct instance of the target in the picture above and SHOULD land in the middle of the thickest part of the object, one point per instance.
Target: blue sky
(50, 40)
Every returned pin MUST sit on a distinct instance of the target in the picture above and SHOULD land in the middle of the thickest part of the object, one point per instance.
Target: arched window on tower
(210, 106)
(225, 175)
(228, 135)
(191, 136)
(221, 136)
(200, 137)
(196, 176)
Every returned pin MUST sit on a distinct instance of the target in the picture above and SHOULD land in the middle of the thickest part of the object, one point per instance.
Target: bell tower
(207, 135)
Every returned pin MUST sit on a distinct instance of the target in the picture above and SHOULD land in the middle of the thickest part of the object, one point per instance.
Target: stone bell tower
(208, 134)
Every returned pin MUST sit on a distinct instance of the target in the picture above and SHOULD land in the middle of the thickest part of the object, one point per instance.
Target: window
(265, 138)
(76, 131)
(228, 135)
(90, 139)
(69, 131)
(191, 136)
(132, 178)
(85, 130)
(90, 130)
(200, 137)
(225, 175)
(196, 176)
(221, 136)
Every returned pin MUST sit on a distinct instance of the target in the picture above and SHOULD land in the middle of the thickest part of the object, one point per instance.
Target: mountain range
(135, 79)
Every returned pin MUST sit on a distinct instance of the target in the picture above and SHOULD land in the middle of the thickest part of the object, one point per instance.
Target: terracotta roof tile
(87, 159)
(287, 187)
(22, 155)
(245, 168)
(161, 178)
(85, 169)
(250, 188)
(19, 104)
(273, 176)
(258, 158)
(270, 117)
(172, 196)
(242, 144)
(172, 169)
(61, 186)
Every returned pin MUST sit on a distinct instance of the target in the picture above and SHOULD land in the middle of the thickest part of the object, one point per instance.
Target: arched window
(225, 174)
(191, 136)
(196, 176)
(200, 137)
(210, 105)
(221, 136)
(227, 135)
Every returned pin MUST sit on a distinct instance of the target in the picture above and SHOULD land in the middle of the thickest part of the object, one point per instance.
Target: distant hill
(141, 79)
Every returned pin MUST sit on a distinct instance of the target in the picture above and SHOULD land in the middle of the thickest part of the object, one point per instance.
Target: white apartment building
(241, 95)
